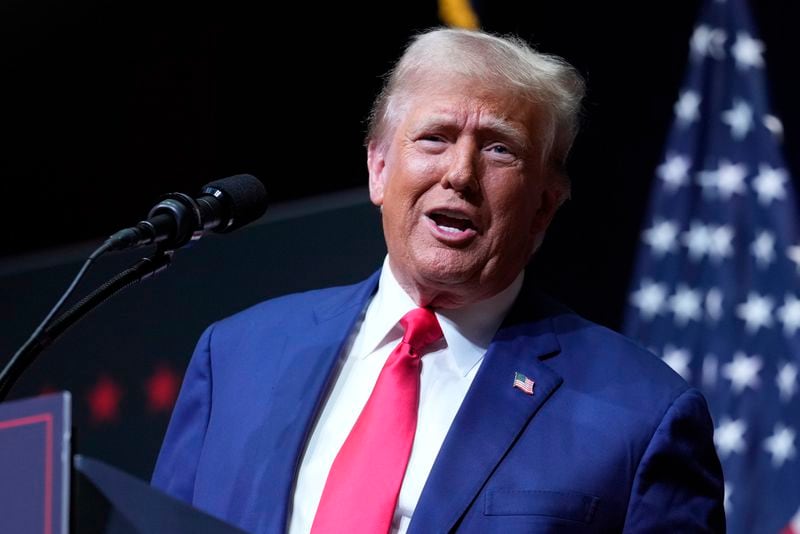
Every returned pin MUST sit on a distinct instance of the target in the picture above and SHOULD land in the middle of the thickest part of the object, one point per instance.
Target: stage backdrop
(124, 362)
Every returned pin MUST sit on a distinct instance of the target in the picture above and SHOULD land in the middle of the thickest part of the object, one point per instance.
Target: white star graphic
(679, 359)
(687, 108)
(743, 371)
(729, 436)
(747, 51)
(708, 42)
(794, 254)
(674, 171)
(685, 304)
(714, 304)
(649, 298)
(721, 242)
(769, 184)
(786, 380)
(780, 445)
(756, 312)
(739, 118)
(789, 314)
(698, 240)
(763, 248)
(727, 179)
(661, 236)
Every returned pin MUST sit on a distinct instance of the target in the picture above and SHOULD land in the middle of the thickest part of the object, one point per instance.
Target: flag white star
(780, 445)
(721, 242)
(687, 108)
(789, 314)
(724, 181)
(794, 254)
(674, 171)
(685, 304)
(739, 118)
(786, 380)
(714, 304)
(794, 523)
(756, 312)
(730, 178)
(708, 41)
(679, 359)
(769, 184)
(729, 436)
(697, 239)
(649, 298)
(747, 51)
(763, 248)
(743, 371)
(661, 237)
(710, 367)
(774, 125)
(726, 500)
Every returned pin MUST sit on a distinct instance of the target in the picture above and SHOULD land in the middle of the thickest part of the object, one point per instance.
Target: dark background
(104, 106)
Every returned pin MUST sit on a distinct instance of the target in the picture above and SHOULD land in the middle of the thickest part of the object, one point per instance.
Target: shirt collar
(468, 331)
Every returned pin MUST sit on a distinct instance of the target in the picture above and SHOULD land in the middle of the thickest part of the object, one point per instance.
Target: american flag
(716, 291)
(794, 525)
(524, 383)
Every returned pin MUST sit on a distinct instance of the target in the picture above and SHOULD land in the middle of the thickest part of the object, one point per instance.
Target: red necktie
(364, 482)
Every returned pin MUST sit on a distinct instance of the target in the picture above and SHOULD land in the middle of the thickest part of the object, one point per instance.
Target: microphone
(222, 206)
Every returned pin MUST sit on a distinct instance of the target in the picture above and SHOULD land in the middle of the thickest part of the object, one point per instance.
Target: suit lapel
(309, 367)
(489, 421)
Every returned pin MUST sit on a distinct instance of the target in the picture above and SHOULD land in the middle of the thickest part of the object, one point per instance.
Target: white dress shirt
(448, 369)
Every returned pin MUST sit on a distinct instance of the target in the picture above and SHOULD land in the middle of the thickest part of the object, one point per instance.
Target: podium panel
(37, 474)
(34, 465)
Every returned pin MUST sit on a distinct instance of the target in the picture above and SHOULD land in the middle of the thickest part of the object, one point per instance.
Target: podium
(45, 489)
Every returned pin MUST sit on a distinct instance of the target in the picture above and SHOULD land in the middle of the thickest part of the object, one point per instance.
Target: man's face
(463, 190)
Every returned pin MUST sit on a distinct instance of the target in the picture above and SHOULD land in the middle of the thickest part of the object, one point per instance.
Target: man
(445, 393)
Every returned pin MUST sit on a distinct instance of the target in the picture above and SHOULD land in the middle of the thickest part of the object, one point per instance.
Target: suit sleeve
(678, 485)
(176, 466)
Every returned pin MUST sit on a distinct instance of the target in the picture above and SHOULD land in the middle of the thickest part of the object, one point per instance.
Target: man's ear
(552, 196)
(376, 164)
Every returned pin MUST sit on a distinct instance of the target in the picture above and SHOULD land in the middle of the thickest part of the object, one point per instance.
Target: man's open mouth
(451, 222)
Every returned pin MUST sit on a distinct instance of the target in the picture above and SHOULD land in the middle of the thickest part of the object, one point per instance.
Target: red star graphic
(47, 389)
(162, 389)
(104, 400)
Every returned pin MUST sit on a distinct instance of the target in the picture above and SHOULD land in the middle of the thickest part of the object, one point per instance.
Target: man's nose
(462, 172)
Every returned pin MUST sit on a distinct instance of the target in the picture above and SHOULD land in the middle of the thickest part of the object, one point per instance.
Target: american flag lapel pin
(523, 383)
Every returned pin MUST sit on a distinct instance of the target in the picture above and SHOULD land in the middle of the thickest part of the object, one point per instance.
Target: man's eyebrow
(496, 125)
(433, 122)
(506, 129)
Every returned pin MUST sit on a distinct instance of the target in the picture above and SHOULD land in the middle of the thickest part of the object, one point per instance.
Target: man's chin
(448, 267)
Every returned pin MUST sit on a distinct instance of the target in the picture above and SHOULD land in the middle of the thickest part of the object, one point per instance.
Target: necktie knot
(421, 328)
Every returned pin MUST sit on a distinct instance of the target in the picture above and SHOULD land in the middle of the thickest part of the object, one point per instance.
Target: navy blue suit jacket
(612, 440)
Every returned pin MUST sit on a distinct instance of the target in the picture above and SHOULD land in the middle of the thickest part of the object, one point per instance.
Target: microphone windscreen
(245, 196)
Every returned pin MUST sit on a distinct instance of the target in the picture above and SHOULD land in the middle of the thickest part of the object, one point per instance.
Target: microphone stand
(44, 337)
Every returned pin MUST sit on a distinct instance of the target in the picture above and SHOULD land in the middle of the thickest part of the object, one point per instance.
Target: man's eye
(500, 150)
(432, 138)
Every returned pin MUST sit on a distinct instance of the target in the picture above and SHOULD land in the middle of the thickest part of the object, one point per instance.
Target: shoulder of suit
(295, 308)
(592, 345)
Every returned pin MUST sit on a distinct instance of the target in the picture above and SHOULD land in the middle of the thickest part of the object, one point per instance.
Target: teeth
(449, 229)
